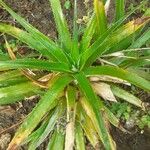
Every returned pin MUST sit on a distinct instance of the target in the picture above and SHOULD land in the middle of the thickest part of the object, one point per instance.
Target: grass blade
(90, 29)
(142, 73)
(88, 34)
(135, 63)
(11, 78)
(75, 48)
(24, 37)
(33, 137)
(33, 43)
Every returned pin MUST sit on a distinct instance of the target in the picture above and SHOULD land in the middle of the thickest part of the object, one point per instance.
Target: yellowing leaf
(108, 79)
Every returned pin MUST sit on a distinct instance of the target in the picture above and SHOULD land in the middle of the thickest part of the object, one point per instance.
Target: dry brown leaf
(69, 141)
(104, 90)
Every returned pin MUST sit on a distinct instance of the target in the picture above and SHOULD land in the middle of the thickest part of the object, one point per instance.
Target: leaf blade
(46, 102)
(61, 24)
(34, 64)
(88, 92)
(119, 73)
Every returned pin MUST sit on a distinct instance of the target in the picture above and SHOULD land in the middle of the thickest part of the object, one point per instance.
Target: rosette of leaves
(80, 74)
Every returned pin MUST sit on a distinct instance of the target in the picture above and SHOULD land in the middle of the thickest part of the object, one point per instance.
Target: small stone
(130, 124)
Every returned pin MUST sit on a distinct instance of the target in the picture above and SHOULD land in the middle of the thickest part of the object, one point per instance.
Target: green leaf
(61, 24)
(92, 100)
(50, 126)
(71, 113)
(141, 40)
(100, 17)
(38, 36)
(13, 81)
(88, 34)
(87, 125)
(30, 41)
(120, 9)
(75, 48)
(119, 73)
(67, 4)
(17, 92)
(147, 12)
(135, 63)
(90, 29)
(9, 74)
(47, 102)
(141, 72)
(126, 96)
(106, 42)
(34, 64)
(80, 141)
(10, 78)
(34, 136)
(113, 119)
(3, 56)
(57, 141)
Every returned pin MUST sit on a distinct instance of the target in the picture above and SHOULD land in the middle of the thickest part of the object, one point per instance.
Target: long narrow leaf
(87, 125)
(9, 75)
(50, 126)
(102, 46)
(126, 96)
(57, 141)
(92, 100)
(17, 92)
(71, 110)
(80, 141)
(37, 35)
(119, 73)
(47, 102)
(91, 26)
(113, 120)
(61, 24)
(142, 39)
(100, 16)
(120, 9)
(88, 34)
(26, 38)
(33, 64)
(75, 48)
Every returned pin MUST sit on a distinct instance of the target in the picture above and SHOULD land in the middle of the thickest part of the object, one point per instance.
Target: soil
(38, 13)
